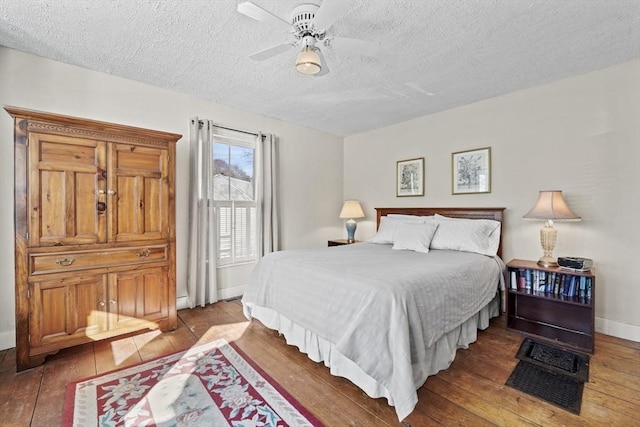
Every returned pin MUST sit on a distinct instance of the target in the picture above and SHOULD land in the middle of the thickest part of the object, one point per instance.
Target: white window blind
(235, 196)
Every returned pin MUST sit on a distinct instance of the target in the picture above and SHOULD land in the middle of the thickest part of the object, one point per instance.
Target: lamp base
(547, 261)
(548, 236)
(351, 230)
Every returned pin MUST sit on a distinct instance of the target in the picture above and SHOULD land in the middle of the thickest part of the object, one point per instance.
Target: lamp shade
(308, 61)
(551, 206)
(351, 209)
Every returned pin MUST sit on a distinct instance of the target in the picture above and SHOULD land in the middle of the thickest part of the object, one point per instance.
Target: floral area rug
(214, 384)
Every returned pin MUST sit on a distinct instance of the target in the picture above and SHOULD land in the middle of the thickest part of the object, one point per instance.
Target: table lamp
(550, 207)
(351, 209)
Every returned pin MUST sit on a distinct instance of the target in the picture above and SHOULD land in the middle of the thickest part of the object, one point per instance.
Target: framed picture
(471, 171)
(410, 177)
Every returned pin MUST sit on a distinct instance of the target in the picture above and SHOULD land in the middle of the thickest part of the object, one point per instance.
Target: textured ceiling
(434, 54)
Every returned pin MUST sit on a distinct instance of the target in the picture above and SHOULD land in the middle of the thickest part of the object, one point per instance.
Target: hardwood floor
(471, 392)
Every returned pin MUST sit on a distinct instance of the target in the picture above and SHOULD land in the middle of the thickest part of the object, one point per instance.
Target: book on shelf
(521, 280)
(569, 290)
(559, 284)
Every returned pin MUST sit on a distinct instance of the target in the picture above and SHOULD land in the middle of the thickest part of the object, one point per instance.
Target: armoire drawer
(45, 263)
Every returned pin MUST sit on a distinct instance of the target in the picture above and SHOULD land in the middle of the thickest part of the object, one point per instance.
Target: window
(234, 196)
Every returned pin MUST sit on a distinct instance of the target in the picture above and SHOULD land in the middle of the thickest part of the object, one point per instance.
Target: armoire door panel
(64, 190)
(139, 192)
(154, 294)
(153, 209)
(138, 296)
(141, 159)
(51, 320)
(57, 149)
(86, 216)
(64, 309)
(128, 215)
(52, 204)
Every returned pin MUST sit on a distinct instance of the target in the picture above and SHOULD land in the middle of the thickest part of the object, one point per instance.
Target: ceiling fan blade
(271, 51)
(360, 47)
(324, 70)
(329, 12)
(259, 14)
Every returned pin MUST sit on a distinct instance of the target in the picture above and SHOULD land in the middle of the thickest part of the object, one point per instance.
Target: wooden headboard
(495, 214)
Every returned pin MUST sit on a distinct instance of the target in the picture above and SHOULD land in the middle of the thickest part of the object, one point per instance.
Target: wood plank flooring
(470, 393)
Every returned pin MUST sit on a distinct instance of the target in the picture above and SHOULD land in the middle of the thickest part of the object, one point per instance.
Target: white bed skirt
(438, 357)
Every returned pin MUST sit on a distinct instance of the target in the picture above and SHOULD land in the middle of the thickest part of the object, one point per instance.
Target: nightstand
(340, 242)
(551, 303)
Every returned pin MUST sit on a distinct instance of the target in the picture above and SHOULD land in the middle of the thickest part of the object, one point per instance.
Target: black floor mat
(556, 359)
(551, 374)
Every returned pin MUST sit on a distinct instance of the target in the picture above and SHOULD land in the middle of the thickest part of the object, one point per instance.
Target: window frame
(228, 242)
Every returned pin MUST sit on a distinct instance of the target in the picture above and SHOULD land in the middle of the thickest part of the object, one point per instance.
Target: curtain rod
(200, 122)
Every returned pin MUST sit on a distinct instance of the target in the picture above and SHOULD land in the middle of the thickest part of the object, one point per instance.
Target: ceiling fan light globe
(308, 62)
(308, 69)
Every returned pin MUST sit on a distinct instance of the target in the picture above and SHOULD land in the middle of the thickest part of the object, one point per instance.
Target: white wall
(310, 161)
(580, 135)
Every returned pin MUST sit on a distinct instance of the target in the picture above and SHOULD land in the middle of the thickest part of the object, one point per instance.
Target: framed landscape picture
(410, 177)
(471, 171)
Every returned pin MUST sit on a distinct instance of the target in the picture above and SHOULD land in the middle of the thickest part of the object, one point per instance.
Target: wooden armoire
(94, 231)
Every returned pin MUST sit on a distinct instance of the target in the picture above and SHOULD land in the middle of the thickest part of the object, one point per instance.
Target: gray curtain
(267, 195)
(202, 256)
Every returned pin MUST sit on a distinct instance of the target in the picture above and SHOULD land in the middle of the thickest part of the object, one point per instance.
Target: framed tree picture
(471, 171)
(410, 177)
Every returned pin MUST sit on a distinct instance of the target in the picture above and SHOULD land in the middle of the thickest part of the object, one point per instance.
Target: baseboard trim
(7, 340)
(223, 294)
(182, 302)
(230, 293)
(618, 329)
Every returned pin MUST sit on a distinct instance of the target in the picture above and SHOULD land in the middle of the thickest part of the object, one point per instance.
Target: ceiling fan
(309, 25)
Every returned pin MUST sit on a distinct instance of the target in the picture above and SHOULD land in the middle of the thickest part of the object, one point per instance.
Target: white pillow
(414, 236)
(389, 225)
(470, 235)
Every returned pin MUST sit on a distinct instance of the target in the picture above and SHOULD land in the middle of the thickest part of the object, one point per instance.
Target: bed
(389, 312)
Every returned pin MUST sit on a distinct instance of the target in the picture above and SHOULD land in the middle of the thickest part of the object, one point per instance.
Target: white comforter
(379, 307)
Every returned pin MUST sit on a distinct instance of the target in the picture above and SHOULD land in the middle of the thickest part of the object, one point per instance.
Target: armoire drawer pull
(144, 254)
(66, 261)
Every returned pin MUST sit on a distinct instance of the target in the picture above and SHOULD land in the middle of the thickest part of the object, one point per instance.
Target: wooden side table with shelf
(340, 242)
(552, 304)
